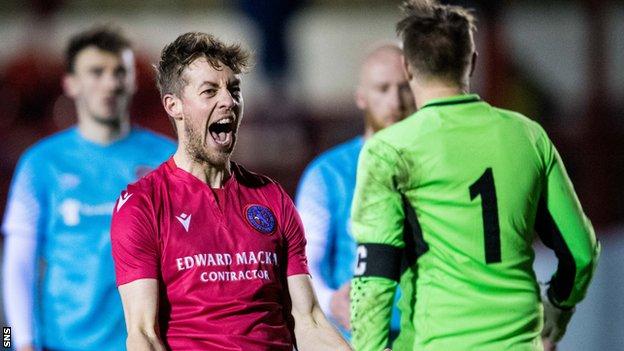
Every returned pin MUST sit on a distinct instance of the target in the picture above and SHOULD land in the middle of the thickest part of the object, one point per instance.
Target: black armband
(379, 260)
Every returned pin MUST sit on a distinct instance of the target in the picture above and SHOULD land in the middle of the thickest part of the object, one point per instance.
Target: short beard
(197, 151)
(371, 122)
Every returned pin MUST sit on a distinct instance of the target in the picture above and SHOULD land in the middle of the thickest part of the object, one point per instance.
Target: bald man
(326, 189)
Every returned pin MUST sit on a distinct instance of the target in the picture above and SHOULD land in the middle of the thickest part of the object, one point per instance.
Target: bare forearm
(316, 333)
(140, 301)
(139, 341)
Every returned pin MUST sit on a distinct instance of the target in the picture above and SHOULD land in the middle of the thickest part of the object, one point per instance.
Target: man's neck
(427, 91)
(214, 176)
(103, 133)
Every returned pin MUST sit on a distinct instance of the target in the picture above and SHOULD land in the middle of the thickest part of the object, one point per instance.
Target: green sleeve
(563, 227)
(377, 218)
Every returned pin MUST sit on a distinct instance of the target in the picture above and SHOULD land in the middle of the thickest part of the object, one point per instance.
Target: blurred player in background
(326, 189)
(461, 188)
(59, 287)
(208, 255)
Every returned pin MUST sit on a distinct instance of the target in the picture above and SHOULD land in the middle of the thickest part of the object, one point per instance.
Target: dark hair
(103, 37)
(437, 39)
(188, 47)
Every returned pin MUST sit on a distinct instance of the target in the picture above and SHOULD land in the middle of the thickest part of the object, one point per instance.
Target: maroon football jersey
(222, 265)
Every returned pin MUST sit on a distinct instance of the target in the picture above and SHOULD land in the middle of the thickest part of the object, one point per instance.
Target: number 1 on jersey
(484, 186)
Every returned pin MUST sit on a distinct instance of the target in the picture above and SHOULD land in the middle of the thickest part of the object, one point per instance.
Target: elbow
(143, 340)
(308, 319)
(587, 261)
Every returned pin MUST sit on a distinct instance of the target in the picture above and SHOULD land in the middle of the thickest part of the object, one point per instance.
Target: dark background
(558, 62)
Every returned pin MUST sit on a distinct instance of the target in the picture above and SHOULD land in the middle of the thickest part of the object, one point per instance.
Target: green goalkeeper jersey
(447, 204)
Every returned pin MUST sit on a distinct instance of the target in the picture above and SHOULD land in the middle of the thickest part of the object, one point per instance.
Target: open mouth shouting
(222, 132)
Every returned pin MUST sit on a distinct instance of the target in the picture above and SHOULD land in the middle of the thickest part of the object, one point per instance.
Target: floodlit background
(558, 62)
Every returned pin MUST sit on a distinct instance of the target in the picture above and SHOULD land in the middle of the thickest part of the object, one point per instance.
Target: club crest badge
(260, 218)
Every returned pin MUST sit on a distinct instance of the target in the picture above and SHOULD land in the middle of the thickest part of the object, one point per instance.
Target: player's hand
(555, 323)
(549, 345)
(26, 348)
(340, 306)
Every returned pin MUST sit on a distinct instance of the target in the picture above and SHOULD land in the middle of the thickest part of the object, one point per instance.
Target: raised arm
(140, 304)
(312, 329)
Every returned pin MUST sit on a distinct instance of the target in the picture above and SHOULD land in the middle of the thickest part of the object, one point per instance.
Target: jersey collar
(453, 100)
(188, 177)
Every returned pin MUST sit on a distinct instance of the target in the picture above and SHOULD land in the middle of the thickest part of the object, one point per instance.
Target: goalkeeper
(447, 204)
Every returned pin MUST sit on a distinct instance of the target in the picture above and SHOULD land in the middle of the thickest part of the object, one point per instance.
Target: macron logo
(122, 200)
(185, 220)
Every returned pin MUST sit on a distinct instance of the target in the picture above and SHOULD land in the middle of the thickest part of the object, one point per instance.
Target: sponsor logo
(68, 181)
(71, 210)
(122, 200)
(185, 220)
(260, 218)
(229, 266)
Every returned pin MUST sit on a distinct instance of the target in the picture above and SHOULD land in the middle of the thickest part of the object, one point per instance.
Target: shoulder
(533, 130)
(145, 136)
(151, 184)
(336, 158)
(53, 142)
(339, 153)
(39, 153)
(516, 117)
(383, 145)
(257, 182)
(141, 198)
(251, 179)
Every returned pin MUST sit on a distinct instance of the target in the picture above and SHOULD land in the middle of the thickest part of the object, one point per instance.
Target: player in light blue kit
(59, 282)
(326, 189)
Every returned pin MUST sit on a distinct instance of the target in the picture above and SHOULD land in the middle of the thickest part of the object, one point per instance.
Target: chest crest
(260, 218)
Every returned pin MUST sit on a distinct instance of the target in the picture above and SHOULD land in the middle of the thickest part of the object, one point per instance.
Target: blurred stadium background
(558, 62)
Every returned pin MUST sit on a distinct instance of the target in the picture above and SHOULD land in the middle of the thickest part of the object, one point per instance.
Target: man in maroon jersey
(208, 255)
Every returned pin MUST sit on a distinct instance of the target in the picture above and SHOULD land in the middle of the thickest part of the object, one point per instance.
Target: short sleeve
(133, 238)
(297, 263)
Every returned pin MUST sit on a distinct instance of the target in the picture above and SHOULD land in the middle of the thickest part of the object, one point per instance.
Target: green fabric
(452, 299)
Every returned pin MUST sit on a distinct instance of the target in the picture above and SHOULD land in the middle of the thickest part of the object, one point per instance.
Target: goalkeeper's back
(479, 181)
(447, 203)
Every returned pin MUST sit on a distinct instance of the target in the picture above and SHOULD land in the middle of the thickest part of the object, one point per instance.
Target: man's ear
(173, 106)
(70, 85)
(360, 99)
(473, 63)
(407, 69)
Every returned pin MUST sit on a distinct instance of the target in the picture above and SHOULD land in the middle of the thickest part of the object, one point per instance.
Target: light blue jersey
(63, 193)
(323, 200)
